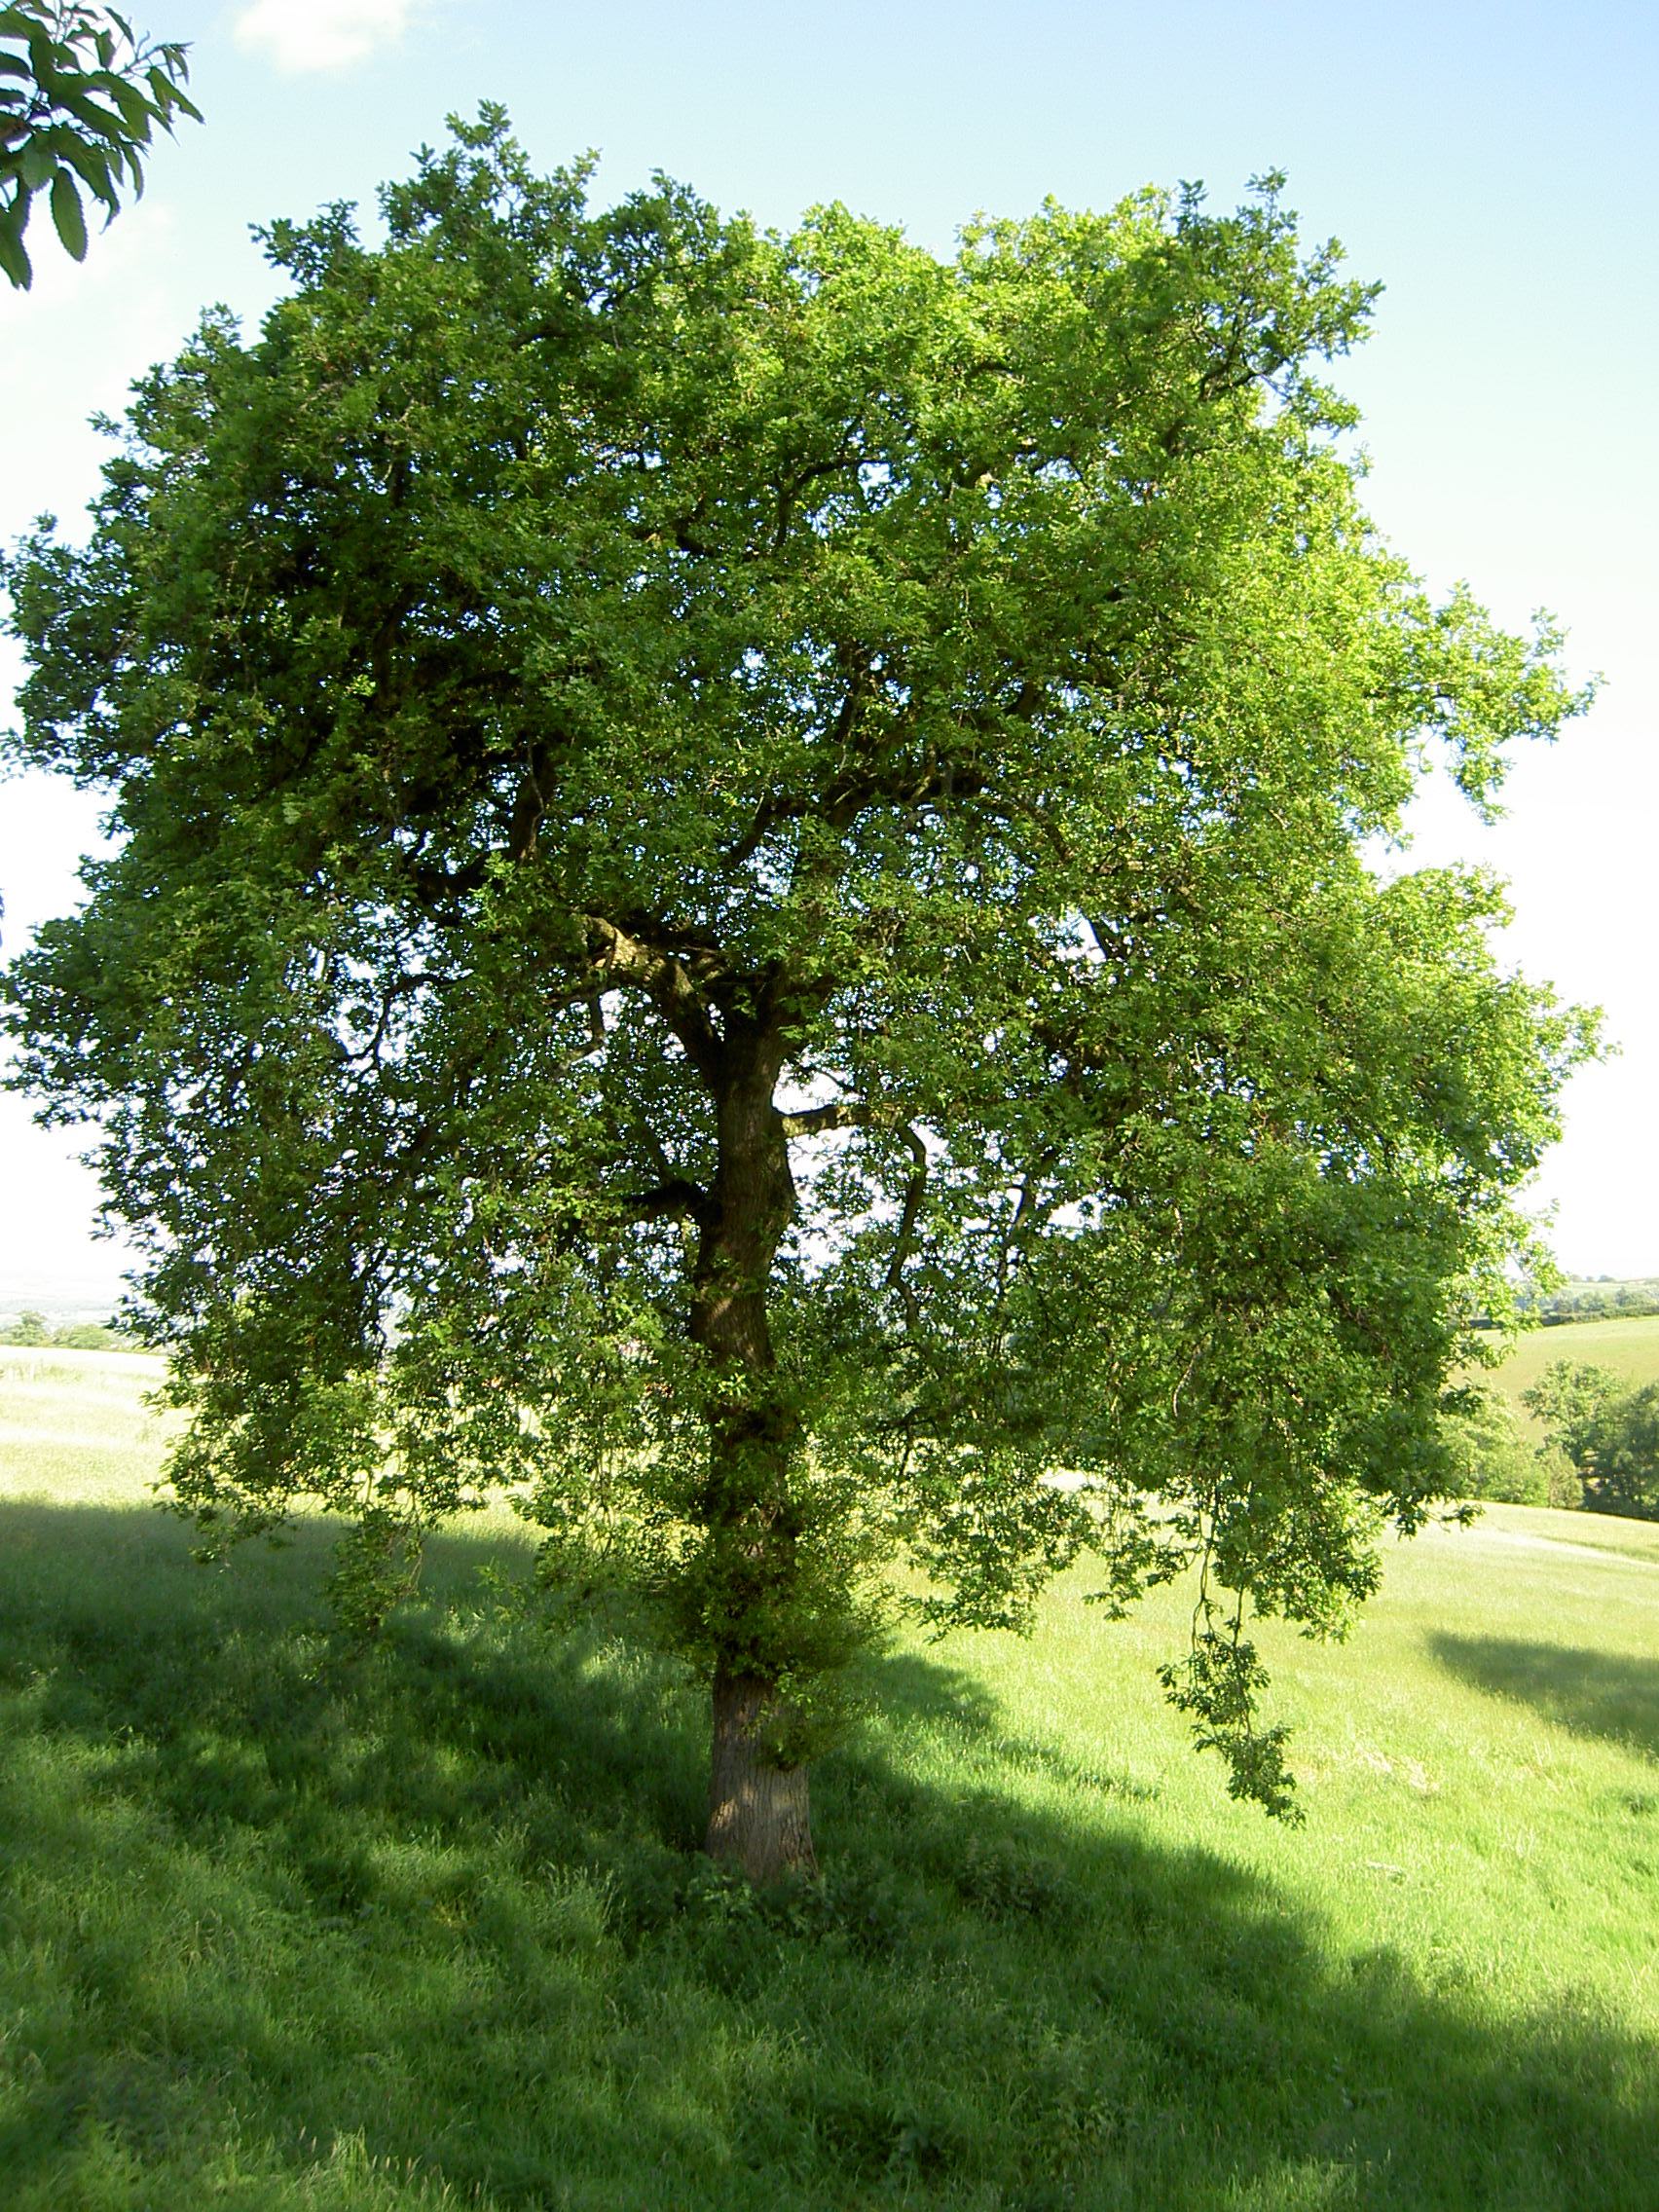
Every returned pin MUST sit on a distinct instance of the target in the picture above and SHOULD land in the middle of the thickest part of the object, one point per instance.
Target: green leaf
(37, 164)
(139, 117)
(67, 215)
(101, 121)
(94, 168)
(136, 111)
(169, 97)
(13, 261)
(46, 56)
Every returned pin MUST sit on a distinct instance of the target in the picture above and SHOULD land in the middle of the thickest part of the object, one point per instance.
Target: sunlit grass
(283, 1929)
(1628, 1346)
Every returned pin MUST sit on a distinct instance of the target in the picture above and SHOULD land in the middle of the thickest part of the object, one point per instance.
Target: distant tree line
(1601, 1300)
(35, 1330)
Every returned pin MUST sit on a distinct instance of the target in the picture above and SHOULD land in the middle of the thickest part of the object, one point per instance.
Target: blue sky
(1495, 166)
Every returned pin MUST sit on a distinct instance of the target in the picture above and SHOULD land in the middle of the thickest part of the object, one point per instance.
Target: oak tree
(747, 904)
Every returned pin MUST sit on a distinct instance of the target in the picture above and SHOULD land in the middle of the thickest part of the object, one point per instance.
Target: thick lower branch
(843, 1114)
(623, 959)
(678, 1200)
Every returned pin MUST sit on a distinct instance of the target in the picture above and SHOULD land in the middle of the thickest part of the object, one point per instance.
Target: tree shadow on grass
(1593, 1693)
(424, 1929)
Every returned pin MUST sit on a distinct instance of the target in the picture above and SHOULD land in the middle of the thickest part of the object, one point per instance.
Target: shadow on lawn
(441, 1902)
(1593, 1693)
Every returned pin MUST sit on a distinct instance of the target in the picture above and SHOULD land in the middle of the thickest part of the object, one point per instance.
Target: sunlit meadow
(288, 1929)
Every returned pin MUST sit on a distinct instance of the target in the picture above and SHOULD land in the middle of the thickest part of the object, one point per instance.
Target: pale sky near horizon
(1494, 166)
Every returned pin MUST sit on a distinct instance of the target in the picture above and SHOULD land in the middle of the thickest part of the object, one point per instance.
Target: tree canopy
(746, 905)
(81, 95)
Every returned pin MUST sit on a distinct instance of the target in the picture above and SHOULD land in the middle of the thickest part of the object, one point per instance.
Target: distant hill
(1598, 1298)
(58, 1313)
(63, 1296)
(1629, 1347)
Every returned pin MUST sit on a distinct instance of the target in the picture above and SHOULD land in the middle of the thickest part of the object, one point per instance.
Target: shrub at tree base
(1564, 1485)
(741, 909)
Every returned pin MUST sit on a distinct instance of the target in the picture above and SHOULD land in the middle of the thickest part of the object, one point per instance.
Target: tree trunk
(758, 1810)
(759, 1817)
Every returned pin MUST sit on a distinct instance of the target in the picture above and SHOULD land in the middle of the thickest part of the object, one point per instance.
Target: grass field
(283, 1931)
(1629, 1347)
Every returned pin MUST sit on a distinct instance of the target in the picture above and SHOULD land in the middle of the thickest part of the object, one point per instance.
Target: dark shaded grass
(1593, 1693)
(285, 1929)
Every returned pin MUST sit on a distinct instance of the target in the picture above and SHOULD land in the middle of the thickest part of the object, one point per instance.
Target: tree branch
(765, 813)
(810, 472)
(843, 1114)
(907, 1236)
(623, 959)
(672, 1200)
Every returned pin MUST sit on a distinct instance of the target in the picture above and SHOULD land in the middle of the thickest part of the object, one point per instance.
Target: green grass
(280, 1930)
(1628, 1346)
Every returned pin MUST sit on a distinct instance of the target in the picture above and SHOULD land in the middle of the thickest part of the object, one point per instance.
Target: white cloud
(321, 34)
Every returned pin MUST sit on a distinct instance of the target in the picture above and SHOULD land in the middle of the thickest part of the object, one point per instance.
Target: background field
(1630, 1349)
(282, 1929)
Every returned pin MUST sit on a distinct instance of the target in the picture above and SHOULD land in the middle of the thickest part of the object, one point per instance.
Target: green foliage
(1622, 1471)
(32, 1328)
(89, 1336)
(81, 95)
(742, 911)
(1607, 1431)
(1218, 1684)
(1569, 1399)
(1564, 1485)
(1496, 1461)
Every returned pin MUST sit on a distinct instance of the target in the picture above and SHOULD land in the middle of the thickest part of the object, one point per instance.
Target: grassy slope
(279, 1931)
(1629, 1347)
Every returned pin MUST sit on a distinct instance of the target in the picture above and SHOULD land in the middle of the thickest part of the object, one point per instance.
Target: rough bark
(759, 1811)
